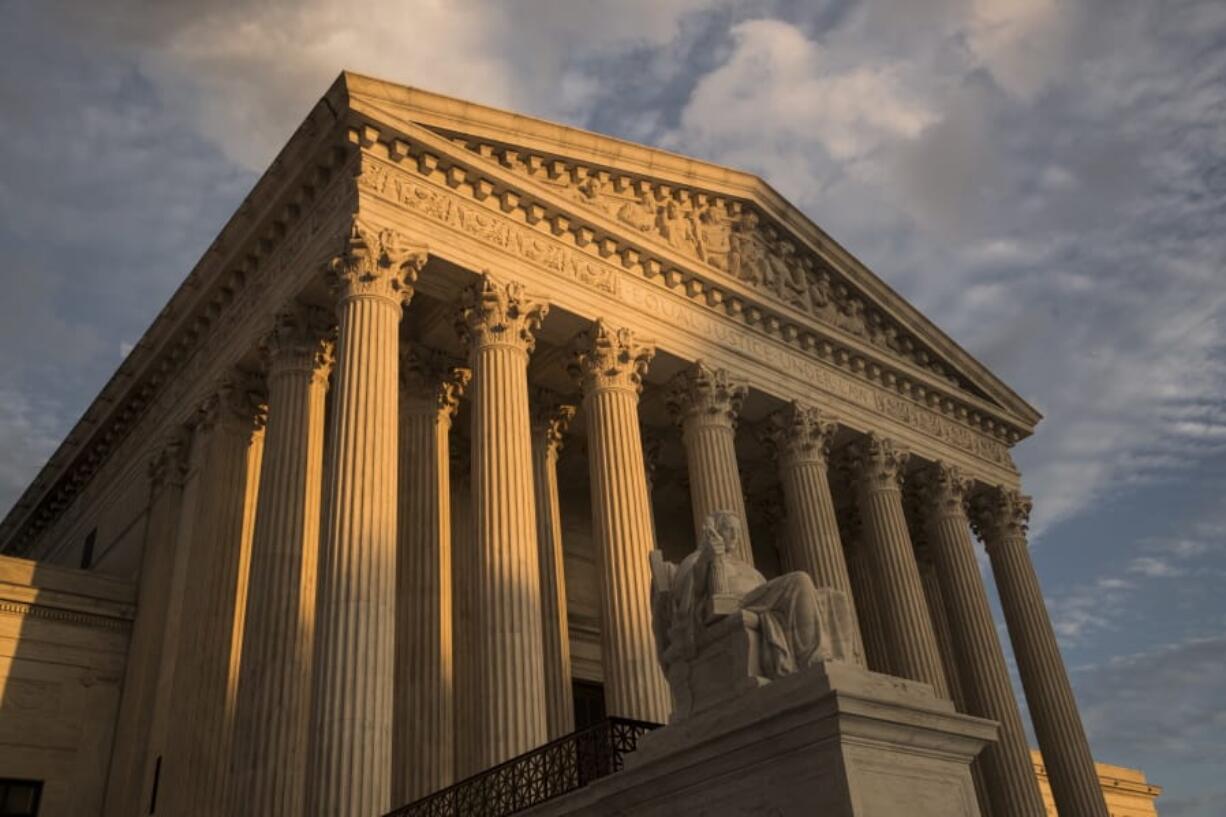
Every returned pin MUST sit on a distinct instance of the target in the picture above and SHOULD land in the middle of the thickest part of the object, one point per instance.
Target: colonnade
(382, 658)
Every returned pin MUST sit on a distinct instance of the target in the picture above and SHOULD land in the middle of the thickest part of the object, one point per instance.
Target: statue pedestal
(833, 740)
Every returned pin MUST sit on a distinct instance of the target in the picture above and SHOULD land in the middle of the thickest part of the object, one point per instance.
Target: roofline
(443, 111)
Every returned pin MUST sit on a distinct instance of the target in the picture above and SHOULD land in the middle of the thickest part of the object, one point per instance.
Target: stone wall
(63, 645)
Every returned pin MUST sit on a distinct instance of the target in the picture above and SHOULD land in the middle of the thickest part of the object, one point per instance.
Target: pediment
(725, 224)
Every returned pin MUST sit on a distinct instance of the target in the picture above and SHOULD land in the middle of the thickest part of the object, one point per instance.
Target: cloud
(1153, 567)
(245, 74)
(778, 96)
(1129, 710)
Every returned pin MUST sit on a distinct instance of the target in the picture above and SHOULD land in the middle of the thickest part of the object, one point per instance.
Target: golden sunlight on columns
(609, 364)
(355, 647)
(800, 439)
(550, 420)
(422, 735)
(499, 322)
(133, 732)
(705, 402)
(197, 764)
(1001, 516)
(273, 721)
(983, 675)
(911, 645)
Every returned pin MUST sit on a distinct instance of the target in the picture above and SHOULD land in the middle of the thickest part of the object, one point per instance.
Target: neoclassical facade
(388, 467)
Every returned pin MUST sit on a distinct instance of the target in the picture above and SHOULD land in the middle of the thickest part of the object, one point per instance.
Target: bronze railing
(549, 771)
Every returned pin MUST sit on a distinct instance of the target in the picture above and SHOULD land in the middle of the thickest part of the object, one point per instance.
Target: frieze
(730, 236)
(482, 224)
(447, 208)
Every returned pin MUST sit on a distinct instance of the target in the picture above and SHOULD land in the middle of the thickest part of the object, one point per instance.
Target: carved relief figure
(677, 228)
(787, 275)
(714, 235)
(747, 259)
(639, 214)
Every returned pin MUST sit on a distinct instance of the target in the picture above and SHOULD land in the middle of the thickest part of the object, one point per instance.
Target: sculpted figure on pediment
(678, 228)
(714, 235)
(821, 295)
(593, 190)
(747, 260)
(789, 277)
(640, 213)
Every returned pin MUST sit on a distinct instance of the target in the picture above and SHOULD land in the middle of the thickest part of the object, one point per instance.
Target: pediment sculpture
(722, 628)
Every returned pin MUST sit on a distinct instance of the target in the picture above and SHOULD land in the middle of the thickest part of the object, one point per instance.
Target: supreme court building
(368, 508)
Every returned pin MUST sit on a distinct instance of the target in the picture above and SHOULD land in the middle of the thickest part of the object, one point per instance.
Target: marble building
(371, 501)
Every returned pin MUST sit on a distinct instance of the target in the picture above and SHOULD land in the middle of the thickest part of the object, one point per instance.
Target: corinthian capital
(301, 340)
(237, 404)
(702, 391)
(376, 264)
(168, 465)
(945, 490)
(492, 314)
(430, 383)
(1000, 513)
(797, 434)
(609, 358)
(550, 419)
(878, 463)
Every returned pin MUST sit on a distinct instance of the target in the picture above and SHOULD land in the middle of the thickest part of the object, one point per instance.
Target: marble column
(863, 590)
(983, 675)
(499, 322)
(609, 364)
(705, 402)
(940, 628)
(356, 606)
(1001, 516)
(269, 765)
(134, 726)
(550, 419)
(423, 753)
(910, 641)
(195, 773)
(800, 438)
(463, 563)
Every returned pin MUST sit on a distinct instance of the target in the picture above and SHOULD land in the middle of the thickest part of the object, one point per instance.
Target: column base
(833, 740)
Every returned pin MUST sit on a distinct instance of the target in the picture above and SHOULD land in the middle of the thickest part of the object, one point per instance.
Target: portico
(460, 327)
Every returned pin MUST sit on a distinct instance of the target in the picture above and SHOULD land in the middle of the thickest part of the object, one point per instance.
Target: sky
(1045, 180)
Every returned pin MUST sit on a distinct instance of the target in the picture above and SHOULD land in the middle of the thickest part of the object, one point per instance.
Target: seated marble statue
(721, 627)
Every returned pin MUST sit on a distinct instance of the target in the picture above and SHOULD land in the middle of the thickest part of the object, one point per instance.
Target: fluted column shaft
(423, 754)
(801, 439)
(498, 322)
(463, 556)
(705, 402)
(167, 470)
(550, 420)
(872, 631)
(273, 723)
(610, 364)
(1001, 516)
(355, 647)
(911, 643)
(983, 676)
(195, 773)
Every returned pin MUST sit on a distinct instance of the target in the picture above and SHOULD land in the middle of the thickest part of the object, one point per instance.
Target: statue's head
(722, 531)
